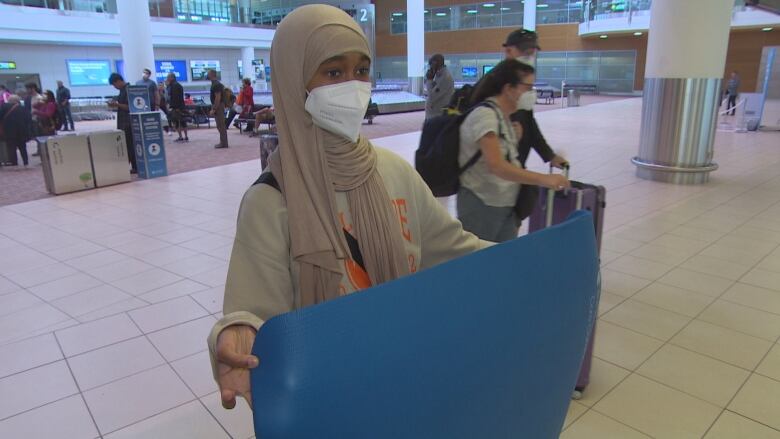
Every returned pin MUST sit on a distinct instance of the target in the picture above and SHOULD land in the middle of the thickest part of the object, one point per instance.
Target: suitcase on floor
(553, 208)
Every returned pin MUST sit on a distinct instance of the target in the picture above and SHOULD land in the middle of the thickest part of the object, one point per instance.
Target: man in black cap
(523, 45)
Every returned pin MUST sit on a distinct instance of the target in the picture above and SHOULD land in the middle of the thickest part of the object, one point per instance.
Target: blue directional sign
(149, 144)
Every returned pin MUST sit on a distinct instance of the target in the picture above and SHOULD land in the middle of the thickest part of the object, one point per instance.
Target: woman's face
(526, 84)
(350, 66)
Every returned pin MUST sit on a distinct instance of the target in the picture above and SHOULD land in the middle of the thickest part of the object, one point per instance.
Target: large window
(491, 14)
(609, 71)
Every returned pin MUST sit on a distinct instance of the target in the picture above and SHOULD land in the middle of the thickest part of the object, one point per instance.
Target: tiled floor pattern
(106, 297)
(26, 184)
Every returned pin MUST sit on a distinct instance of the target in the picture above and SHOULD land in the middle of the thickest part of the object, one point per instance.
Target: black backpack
(460, 100)
(436, 159)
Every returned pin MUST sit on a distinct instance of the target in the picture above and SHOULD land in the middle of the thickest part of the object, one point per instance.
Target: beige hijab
(312, 162)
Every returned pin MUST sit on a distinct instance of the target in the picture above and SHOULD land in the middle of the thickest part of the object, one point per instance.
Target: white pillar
(529, 15)
(135, 34)
(686, 57)
(247, 56)
(415, 44)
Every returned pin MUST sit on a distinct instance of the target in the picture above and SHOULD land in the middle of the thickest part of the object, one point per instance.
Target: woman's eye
(365, 71)
(333, 73)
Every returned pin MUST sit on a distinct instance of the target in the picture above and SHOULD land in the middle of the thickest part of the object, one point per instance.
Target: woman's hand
(559, 162)
(234, 359)
(556, 182)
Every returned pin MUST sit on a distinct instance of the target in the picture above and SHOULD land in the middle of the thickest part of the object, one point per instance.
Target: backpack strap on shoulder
(269, 179)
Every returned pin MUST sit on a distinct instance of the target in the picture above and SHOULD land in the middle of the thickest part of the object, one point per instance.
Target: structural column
(135, 35)
(529, 14)
(415, 45)
(247, 56)
(686, 57)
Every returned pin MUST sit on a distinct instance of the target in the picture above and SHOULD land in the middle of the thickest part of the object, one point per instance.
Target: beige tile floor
(106, 296)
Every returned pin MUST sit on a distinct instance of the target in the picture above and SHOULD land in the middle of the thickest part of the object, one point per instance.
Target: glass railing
(606, 9)
(99, 6)
(191, 11)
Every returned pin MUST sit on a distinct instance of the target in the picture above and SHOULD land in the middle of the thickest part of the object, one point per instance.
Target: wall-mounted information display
(199, 68)
(88, 72)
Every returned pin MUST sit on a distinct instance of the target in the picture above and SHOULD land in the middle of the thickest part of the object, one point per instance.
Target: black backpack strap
(269, 179)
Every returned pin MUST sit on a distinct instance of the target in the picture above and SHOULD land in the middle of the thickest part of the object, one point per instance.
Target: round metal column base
(673, 174)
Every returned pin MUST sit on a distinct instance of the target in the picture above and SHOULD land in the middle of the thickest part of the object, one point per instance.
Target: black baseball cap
(523, 39)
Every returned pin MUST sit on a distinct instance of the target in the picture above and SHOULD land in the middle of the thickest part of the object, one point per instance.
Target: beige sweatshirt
(262, 279)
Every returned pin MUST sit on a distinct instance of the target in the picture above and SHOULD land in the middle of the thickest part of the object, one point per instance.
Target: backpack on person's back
(436, 159)
(228, 97)
(459, 103)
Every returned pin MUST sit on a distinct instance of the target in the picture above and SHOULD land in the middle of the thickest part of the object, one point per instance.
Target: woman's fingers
(228, 398)
(227, 354)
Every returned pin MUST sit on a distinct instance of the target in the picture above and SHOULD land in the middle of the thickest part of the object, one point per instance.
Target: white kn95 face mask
(340, 108)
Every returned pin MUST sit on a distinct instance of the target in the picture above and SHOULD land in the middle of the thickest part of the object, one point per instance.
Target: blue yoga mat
(485, 346)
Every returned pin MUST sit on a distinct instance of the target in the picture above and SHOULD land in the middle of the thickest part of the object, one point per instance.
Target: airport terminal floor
(686, 344)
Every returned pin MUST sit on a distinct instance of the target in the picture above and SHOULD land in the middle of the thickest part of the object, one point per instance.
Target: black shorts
(178, 118)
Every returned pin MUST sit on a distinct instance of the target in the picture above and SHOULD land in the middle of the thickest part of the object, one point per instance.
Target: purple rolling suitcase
(553, 208)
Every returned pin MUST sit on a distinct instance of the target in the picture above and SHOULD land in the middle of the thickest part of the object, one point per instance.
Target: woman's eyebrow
(334, 59)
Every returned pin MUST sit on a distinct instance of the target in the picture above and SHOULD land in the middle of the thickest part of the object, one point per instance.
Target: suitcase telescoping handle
(551, 198)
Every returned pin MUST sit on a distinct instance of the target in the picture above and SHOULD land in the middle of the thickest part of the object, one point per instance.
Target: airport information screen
(88, 72)
(177, 67)
(199, 69)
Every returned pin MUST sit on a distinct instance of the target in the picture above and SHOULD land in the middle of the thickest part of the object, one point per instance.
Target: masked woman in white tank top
(339, 215)
(490, 187)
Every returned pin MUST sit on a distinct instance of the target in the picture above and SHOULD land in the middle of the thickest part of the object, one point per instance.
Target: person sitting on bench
(264, 115)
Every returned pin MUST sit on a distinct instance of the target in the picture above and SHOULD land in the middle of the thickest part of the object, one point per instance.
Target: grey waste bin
(573, 98)
(268, 144)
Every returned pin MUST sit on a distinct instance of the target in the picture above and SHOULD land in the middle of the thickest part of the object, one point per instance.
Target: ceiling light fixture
(488, 5)
(441, 14)
(767, 29)
(603, 37)
(543, 5)
(398, 14)
(471, 11)
(637, 34)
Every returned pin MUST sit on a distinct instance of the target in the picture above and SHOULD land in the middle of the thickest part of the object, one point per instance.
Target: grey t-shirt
(490, 188)
(152, 86)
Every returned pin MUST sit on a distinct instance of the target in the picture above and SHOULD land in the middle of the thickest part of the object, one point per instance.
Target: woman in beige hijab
(333, 214)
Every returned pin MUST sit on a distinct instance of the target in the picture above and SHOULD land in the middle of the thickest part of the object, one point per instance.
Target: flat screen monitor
(88, 71)
(200, 68)
(469, 72)
(176, 66)
(486, 68)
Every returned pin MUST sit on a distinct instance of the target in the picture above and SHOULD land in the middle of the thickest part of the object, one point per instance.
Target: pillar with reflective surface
(247, 56)
(529, 14)
(686, 57)
(415, 45)
(135, 35)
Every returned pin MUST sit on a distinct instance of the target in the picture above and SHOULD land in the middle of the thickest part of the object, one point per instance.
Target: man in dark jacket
(63, 106)
(123, 122)
(16, 129)
(176, 106)
(523, 45)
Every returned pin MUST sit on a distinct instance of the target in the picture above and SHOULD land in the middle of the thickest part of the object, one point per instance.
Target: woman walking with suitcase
(489, 188)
